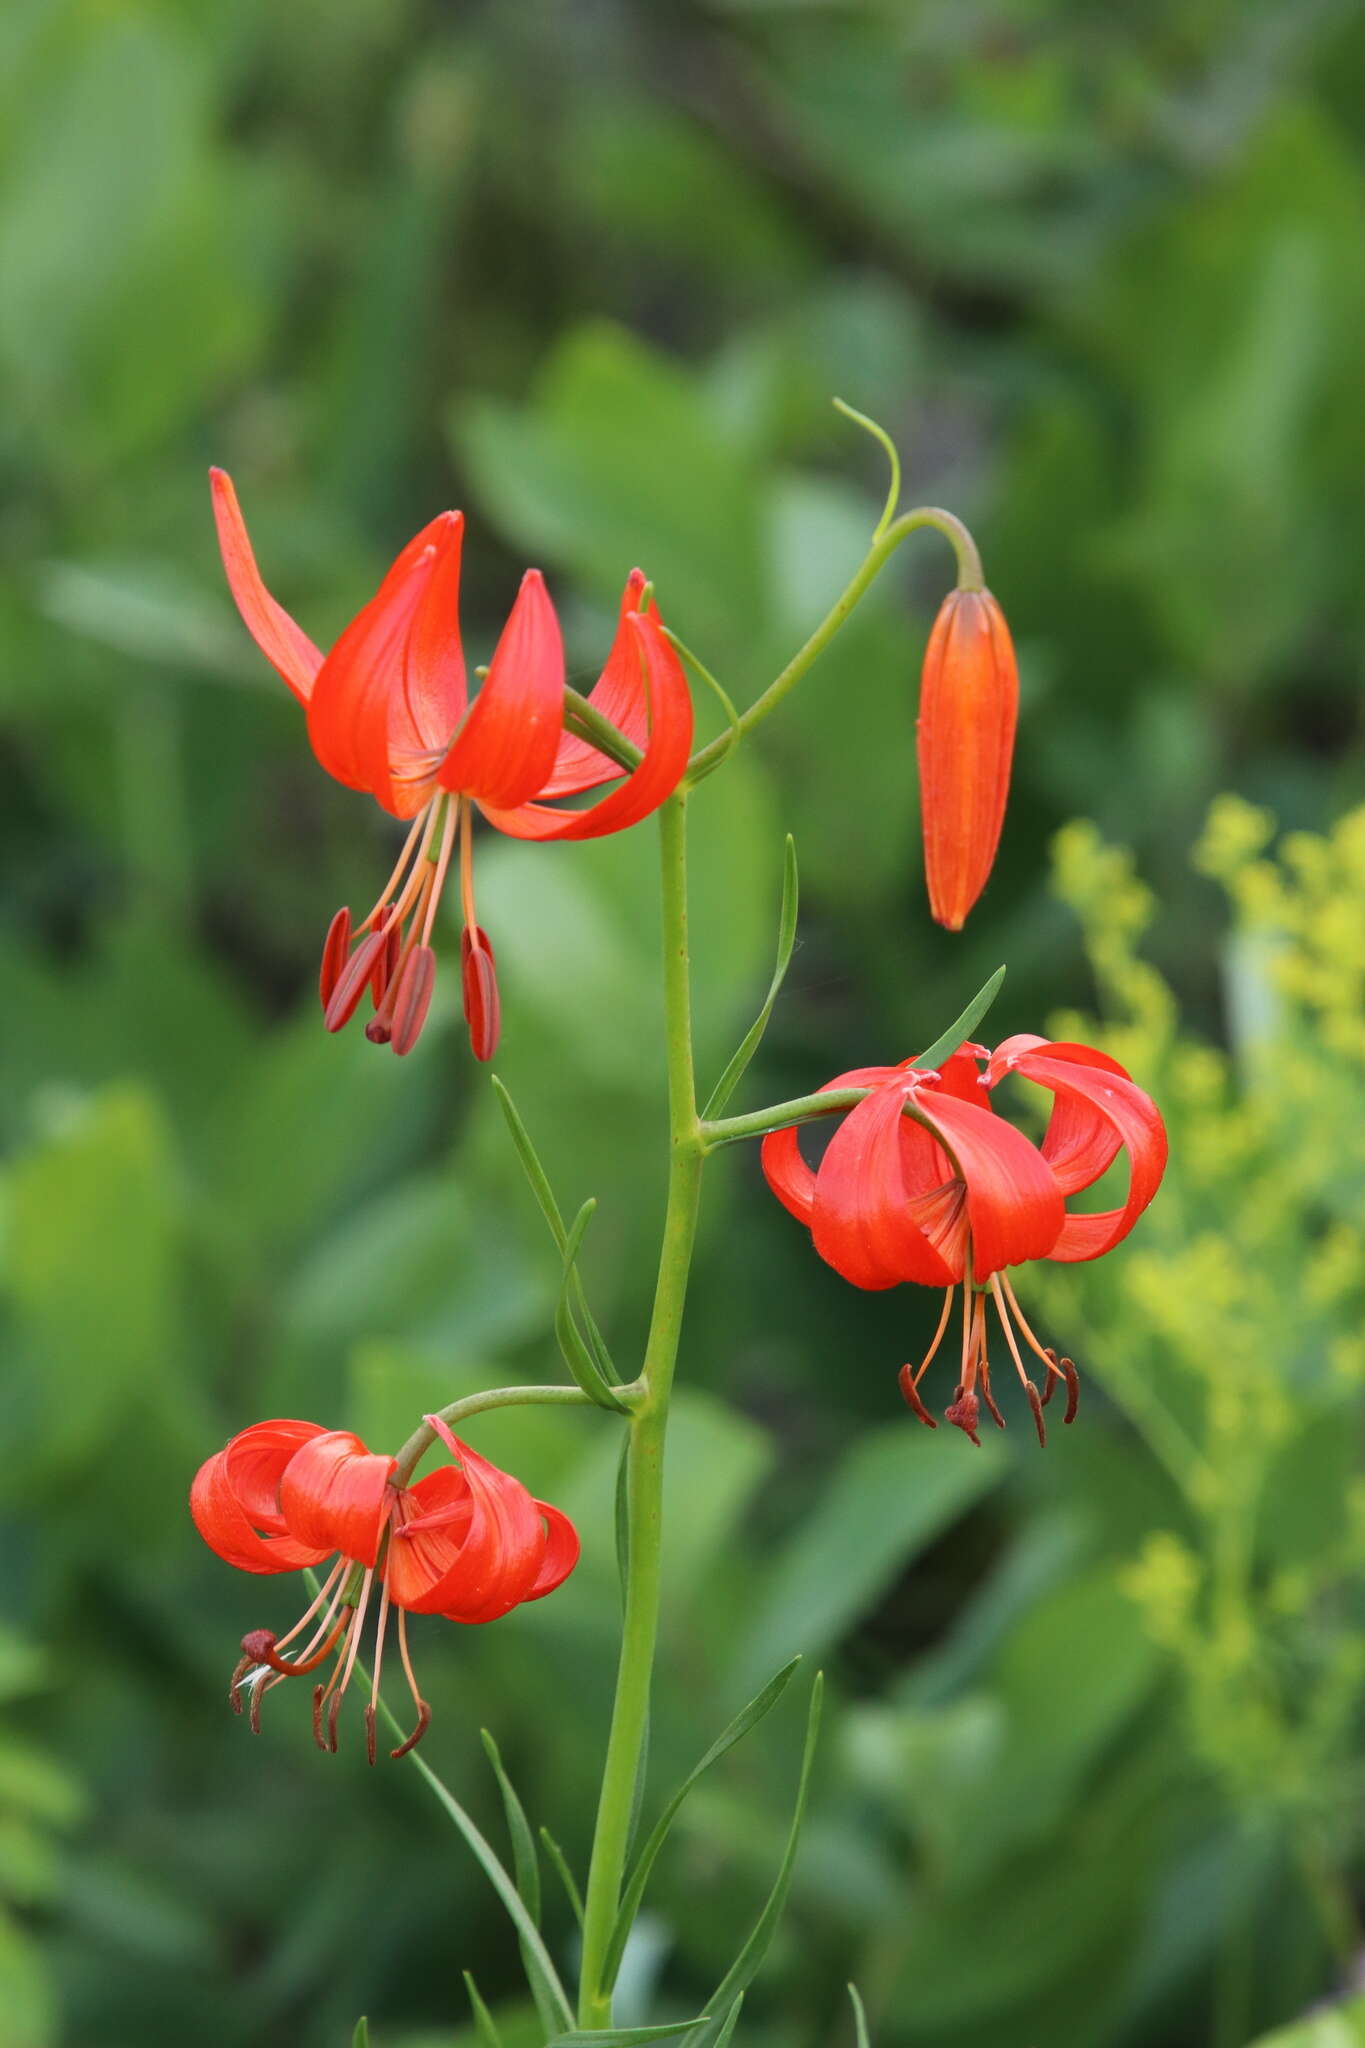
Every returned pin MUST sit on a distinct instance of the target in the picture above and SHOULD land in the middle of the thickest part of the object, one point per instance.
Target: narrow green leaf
(549, 1208)
(361, 2037)
(526, 1864)
(483, 2018)
(731, 2022)
(625, 2037)
(540, 1969)
(859, 2018)
(576, 1353)
(748, 1717)
(745, 1966)
(786, 940)
(953, 1037)
(525, 1861)
(531, 1166)
(566, 1876)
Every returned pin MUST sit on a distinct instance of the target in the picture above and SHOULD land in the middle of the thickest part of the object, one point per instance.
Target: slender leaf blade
(753, 1038)
(361, 2037)
(731, 2022)
(747, 1963)
(963, 1027)
(864, 2039)
(531, 1166)
(566, 1876)
(525, 1861)
(747, 1718)
(539, 1181)
(576, 1353)
(484, 2025)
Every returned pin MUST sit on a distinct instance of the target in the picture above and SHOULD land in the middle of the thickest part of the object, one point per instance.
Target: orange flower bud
(969, 701)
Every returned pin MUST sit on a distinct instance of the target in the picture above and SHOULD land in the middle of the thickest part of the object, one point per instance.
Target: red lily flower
(389, 712)
(924, 1182)
(968, 707)
(467, 1542)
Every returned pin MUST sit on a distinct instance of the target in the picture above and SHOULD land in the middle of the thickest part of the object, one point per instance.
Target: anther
(318, 1736)
(1035, 1402)
(332, 1713)
(423, 1723)
(964, 1413)
(988, 1397)
(354, 980)
(335, 947)
(478, 975)
(386, 963)
(243, 1665)
(412, 999)
(371, 1746)
(1073, 1389)
(912, 1398)
(254, 1717)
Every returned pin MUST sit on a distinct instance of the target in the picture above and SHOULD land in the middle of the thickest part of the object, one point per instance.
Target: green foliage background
(593, 271)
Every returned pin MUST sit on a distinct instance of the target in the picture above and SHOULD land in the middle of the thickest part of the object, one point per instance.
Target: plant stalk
(648, 1426)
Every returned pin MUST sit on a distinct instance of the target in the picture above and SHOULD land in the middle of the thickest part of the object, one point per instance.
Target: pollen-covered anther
(1062, 1369)
(964, 1412)
(912, 1397)
(239, 1672)
(423, 1723)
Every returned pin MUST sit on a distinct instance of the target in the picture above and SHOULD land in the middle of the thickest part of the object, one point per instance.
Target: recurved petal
(1099, 1110)
(862, 1222)
(1015, 1209)
(231, 1530)
(335, 1493)
(506, 749)
(561, 1551)
(786, 1172)
(618, 696)
(281, 640)
(254, 1463)
(484, 1562)
(359, 699)
(660, 684)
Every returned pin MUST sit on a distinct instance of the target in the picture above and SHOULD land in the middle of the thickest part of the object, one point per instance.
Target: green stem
(645, 1455)
(423, 1437)
(727, 1130)
(969, 577)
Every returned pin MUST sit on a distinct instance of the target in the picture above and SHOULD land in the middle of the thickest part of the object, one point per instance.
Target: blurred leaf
(90, 1271)
(623, 2037)
(888, 1497)
(573, 474)
(361, 2037)
(1341, 2026)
